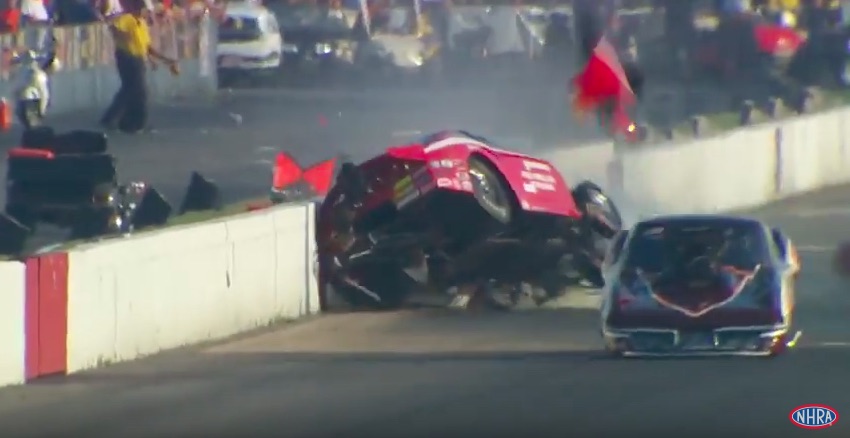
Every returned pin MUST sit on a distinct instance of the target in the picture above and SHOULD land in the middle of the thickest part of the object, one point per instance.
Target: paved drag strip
(431, 373)
(423, 373)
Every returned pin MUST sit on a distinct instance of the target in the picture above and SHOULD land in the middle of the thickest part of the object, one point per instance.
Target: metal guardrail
(88, 46)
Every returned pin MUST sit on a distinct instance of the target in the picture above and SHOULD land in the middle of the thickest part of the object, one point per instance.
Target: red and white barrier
(126, 298)
(33, 303)
(12, 322)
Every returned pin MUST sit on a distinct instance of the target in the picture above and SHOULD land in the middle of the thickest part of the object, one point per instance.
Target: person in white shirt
(34, 11)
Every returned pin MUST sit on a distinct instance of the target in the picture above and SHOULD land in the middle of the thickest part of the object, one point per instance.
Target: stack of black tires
(67, 180)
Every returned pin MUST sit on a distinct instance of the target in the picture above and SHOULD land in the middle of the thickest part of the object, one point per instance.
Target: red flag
(288, 173)
(603, 81)
(320, 176)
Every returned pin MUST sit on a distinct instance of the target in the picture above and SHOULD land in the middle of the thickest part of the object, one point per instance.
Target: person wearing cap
(133, 51)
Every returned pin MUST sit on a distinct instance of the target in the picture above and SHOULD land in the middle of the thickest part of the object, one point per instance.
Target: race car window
(666, 247)
(239, 29)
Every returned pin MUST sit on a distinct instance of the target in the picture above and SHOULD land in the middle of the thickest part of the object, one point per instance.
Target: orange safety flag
(603, 82)
(288, 173)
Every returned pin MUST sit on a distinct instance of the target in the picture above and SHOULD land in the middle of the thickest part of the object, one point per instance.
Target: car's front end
(246, 50)
(725, 333)
(734, 313)
(317, 56)
(234, 63)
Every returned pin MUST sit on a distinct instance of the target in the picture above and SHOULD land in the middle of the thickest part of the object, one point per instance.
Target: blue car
(699, 285)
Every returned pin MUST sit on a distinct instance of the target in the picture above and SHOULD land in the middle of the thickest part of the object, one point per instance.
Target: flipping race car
(699, 285)
(453, 210)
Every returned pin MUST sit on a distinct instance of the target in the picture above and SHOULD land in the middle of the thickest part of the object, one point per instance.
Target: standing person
(133, 51)
(10, 17)
(34, 11)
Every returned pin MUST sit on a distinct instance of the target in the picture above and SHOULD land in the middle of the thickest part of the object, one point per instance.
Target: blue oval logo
(813, 416)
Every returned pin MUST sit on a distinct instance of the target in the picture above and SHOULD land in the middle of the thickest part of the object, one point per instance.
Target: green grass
(208, 215)
(835, 98)
(725, 121)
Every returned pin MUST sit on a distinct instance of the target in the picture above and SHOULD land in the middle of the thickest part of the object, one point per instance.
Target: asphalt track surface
(432, 373)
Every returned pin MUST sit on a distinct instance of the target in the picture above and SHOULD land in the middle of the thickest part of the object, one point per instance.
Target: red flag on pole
(603, 82)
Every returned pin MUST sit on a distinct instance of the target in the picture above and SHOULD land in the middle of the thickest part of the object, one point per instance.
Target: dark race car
(699, 285)
(453, 210)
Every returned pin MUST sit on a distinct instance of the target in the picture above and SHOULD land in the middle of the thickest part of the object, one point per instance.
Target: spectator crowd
(15, 14)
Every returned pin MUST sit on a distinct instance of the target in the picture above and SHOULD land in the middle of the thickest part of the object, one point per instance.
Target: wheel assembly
(490, 190)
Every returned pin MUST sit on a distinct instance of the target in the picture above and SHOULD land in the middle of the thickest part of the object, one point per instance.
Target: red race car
(453, 210)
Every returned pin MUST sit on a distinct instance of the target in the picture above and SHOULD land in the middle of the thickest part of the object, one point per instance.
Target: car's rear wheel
(490, 190)
(603, 215)
(602, 222)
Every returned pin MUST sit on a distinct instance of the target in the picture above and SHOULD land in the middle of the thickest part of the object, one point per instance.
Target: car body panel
(537, 185)
(404, 174)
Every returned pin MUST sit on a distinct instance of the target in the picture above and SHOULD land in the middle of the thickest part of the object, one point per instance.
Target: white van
(249, 42)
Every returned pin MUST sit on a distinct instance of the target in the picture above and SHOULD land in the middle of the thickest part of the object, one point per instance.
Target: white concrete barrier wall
(12, 322)
(137, 296)
(729, 171)
(587, 162)
(743, 168)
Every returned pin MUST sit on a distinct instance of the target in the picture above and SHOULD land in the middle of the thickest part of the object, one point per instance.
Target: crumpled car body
(455, 209)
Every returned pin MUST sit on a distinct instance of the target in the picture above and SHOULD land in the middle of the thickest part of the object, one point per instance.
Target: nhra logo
(813, 417)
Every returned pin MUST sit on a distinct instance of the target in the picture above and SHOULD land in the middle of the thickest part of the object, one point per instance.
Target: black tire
(588, 194)
(25, 216)
(38, 138)
(490, 190)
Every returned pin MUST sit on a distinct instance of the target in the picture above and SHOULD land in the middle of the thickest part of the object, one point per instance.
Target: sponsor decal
(423, 180)
(443, 164)
(813, 416)
(404, 191)
(537, 177)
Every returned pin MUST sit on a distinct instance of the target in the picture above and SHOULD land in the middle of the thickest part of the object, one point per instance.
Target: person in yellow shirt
(133, 51)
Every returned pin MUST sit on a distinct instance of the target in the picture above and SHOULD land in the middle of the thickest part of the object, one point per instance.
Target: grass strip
(189, 218)
(720, 122)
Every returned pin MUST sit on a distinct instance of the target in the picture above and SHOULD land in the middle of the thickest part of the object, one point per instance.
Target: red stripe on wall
(46, 315)
(31, 319)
